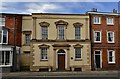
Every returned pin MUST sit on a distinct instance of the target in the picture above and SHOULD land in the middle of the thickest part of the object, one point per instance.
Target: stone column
(68, 59)
(54, 60)
(34, 28)
(86, 28)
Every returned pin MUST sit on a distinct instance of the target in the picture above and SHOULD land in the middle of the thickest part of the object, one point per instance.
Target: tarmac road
(61, 78)
(63, 75)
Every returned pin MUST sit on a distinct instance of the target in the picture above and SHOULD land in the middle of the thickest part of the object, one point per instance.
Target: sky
(56, 7)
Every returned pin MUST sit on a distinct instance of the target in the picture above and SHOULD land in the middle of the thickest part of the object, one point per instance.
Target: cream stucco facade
(60, 53)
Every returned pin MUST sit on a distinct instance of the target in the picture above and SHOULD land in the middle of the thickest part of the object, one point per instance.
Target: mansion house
(56, 42)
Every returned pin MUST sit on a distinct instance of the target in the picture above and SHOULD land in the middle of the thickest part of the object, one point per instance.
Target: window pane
(96, 20)
(111, 56)
(43, 53)
(77, 32)
(97, 36)
(44, 32)
(27, 38)
(61, 32)
(97, 52)
(2, 57)
(110, 37)
(2, 21)
(77, 52)
(110, 53)
(110, 20)
(7, 58)
(4, 36)
(110, 59)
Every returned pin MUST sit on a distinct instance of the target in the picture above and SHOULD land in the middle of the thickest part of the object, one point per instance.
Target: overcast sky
(56, 7)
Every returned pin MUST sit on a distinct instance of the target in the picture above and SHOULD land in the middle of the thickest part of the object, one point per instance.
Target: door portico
(61, 53)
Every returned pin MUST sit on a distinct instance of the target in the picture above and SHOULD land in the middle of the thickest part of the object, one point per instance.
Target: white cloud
(42, 7)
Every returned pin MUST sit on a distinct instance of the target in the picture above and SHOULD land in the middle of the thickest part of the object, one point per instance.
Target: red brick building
(10, 41)
(105, 40)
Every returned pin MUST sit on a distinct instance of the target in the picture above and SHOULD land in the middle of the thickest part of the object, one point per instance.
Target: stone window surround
(59, 23)
(43, 46)
(77, 24)
(26, 32)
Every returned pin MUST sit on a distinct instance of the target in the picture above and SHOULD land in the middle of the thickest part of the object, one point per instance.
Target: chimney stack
(94, 10)
(114, 11)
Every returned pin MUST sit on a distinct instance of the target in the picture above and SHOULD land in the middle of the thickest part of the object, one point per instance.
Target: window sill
(111, 42)
(78, 59)
(97, 42)
(110, 24)
(44, 60)
(111, 62)
(4, 43)
(96, 23)
(5, 65)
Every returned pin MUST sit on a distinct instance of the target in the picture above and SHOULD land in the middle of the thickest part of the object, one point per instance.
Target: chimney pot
(114, 11)
(94, 9)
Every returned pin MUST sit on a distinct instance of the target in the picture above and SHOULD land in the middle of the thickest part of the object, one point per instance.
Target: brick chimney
(94, 10)
(114, 11)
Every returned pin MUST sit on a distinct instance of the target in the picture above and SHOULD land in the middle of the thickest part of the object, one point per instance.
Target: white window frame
(113, 57)
(80, 53)
(77, 33)
(2, 19)
(26, 38)
(113, 37)
(98, 18)
(108, 21)
(100, 57)
(2, 38)
(100, 37)
(59, 37)
(10, 59)
(45, 32)
(45, 52)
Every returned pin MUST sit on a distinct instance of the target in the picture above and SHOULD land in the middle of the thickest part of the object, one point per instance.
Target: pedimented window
(77, 46)
(77, 24)
(44, 24)
(61, 22)
(61, 25)
(43, 46)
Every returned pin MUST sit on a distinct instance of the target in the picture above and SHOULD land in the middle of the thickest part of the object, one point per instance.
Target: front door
(97, 59)
(61, 61)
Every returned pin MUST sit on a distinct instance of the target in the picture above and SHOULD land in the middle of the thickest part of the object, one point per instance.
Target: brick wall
(11, 22)
(103, 27)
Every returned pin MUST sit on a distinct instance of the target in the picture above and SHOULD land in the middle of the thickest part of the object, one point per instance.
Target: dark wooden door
(61, 61)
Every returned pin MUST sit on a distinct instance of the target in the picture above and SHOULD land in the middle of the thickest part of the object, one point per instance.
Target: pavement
(64, 74)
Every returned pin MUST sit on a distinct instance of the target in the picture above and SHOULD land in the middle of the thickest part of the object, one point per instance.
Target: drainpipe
(14, 47)
(92, 56)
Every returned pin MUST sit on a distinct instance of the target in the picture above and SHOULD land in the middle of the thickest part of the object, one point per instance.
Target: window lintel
(43, 46)
(26, 32)
(44, 24)
(78, 46)
(77, 24)
(61, 22)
